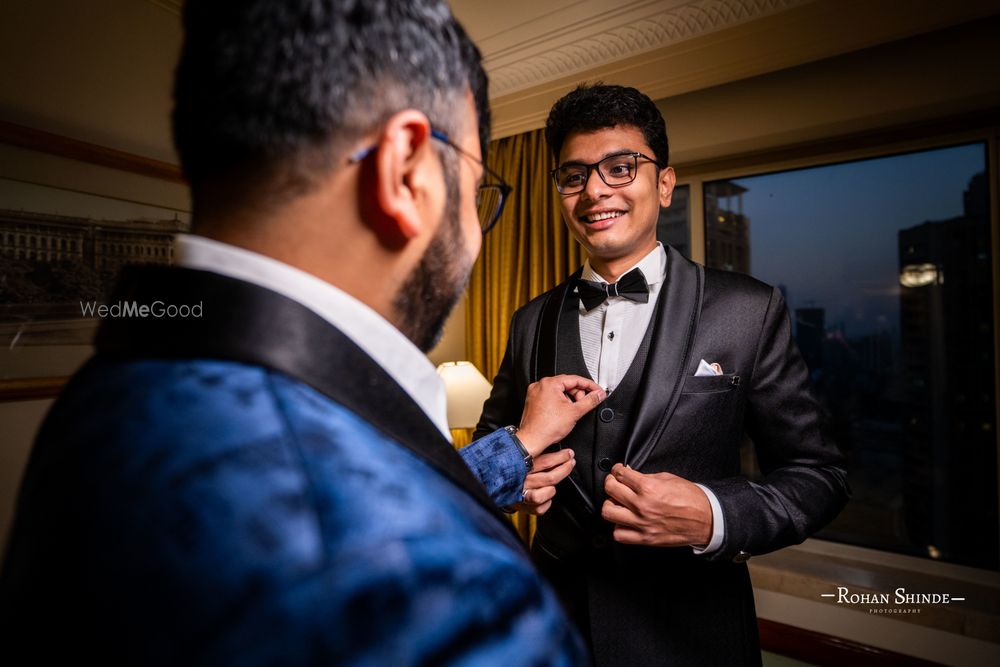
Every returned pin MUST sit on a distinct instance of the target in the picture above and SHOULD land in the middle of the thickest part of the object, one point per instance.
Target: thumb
(591, 401)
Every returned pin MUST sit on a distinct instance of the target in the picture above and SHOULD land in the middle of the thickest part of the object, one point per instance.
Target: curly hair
(591, 107)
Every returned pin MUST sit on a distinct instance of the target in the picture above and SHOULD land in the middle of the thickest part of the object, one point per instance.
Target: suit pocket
(705, 384)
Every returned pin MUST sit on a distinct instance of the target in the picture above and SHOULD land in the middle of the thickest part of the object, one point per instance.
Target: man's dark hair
(588, 108)
(268, 93)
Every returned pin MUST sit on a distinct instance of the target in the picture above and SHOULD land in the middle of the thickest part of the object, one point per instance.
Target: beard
(434, 287)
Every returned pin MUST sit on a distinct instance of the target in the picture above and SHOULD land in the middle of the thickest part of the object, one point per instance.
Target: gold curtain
(528, 252)
(461, 437)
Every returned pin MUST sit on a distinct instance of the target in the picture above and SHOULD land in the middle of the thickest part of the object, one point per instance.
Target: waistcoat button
(607, 414)
(604, 464)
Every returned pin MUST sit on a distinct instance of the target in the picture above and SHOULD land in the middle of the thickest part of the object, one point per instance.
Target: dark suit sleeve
(804, 485)
(506, 401)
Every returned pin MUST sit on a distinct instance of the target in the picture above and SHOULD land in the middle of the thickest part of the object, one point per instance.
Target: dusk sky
(829, 234)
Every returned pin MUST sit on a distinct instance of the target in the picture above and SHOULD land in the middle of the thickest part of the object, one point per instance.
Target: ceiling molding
(535, 52)
(796, 35)
(606, 37)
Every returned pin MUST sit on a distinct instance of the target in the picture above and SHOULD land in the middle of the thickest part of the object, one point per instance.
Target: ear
(666, 184)
(402, 168)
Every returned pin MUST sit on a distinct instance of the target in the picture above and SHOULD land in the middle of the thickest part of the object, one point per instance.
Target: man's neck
(611, 269)
(339, 264)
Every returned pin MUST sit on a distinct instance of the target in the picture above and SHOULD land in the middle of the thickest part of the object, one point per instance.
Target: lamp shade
(467, 391)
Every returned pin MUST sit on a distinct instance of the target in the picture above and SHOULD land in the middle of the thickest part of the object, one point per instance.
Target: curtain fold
(461, 437)
(528, 252)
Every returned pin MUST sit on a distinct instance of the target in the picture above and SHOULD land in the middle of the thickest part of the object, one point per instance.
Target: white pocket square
(705, 368)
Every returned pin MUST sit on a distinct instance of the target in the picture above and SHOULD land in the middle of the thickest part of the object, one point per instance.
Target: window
(886, 265)
(674, 226)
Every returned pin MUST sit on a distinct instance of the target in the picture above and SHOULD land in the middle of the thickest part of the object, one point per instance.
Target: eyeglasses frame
(504, 188)
(594, 166)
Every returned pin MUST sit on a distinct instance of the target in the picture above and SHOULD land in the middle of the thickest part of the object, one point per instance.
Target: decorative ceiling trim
(591, 43)
(805, 33)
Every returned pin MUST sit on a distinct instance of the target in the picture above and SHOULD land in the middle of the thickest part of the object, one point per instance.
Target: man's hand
(540, 484)
(552, 407)
(657, 509)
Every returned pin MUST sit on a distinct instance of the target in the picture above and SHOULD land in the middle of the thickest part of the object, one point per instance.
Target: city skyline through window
(886, 266)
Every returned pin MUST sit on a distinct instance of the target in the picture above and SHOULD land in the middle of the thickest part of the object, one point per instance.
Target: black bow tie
(632, 286)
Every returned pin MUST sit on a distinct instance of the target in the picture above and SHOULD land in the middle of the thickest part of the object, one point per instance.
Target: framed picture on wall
(72, 214)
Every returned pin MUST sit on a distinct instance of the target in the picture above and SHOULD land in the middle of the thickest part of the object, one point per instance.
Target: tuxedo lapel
(676, 320)
(545, 351)
(557, 351)
(569, 353)
(250, 324)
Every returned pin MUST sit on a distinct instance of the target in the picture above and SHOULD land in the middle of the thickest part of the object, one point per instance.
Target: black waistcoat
(600, 437)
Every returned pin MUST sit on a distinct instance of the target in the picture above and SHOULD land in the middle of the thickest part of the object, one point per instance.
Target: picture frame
(71, 214)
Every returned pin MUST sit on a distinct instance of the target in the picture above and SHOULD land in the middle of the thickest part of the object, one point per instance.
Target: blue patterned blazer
(251, 488)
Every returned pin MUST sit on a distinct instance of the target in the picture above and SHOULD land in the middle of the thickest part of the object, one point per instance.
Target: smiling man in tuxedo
(272, 482)
(646, 540)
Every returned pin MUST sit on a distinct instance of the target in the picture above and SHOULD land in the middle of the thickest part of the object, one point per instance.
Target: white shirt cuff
(718, 527)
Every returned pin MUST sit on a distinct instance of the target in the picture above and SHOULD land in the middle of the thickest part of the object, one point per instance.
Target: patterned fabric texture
(208, 512)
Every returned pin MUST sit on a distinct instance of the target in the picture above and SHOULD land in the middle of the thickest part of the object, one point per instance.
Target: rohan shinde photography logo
(900, 601)
(157, 309)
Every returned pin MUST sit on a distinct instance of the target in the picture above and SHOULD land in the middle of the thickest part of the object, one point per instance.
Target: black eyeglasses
(615, 170)
(490, 197)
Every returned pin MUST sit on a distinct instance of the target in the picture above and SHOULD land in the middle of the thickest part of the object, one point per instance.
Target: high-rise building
(946, 323)
(727, 229)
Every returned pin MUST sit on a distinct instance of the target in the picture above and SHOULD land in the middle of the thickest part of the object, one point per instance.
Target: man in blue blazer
(255, 467)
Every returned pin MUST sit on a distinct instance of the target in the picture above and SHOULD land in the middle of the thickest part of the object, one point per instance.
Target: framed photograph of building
(72, 215)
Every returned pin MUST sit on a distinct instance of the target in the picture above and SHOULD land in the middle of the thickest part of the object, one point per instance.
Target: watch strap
(529, 461)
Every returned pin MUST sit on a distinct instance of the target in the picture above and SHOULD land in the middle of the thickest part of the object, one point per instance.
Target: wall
(451, 347)
(100, 71)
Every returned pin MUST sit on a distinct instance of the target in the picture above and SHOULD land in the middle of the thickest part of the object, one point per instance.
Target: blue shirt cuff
(497, 462)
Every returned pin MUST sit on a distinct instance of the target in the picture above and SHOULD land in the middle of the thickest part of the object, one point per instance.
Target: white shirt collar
(653, 267)
(390, 349)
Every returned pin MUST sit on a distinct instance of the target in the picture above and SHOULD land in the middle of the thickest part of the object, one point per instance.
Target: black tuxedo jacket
(654, 605)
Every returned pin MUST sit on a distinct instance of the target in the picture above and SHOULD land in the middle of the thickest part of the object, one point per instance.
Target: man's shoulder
(236, 483)
(186, 412)
(182, 398)
(254, 457)
(724, 284)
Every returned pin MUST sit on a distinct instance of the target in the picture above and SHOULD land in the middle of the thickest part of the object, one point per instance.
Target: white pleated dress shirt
(380, 340)
(610, 336)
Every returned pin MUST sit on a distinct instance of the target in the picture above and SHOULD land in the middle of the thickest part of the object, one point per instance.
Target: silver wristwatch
(529, 462)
